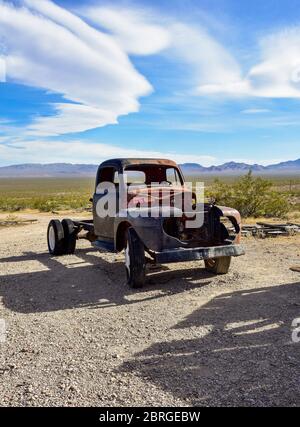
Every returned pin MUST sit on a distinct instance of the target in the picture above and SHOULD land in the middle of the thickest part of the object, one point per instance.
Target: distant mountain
(233, 168)
(291, 165)
(193, 167)
(81, 170)
(48, 170)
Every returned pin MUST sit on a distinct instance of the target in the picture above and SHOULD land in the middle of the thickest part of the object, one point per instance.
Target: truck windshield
(150, 174)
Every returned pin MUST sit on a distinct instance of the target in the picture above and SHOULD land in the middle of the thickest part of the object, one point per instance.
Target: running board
(104, 245)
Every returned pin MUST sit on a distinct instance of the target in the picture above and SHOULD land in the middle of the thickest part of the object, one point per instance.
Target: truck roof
(123, 162)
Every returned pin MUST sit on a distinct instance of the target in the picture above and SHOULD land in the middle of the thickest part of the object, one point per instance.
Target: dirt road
(76, 335)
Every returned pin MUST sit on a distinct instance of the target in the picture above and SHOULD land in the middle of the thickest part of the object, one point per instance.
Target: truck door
(103, 197)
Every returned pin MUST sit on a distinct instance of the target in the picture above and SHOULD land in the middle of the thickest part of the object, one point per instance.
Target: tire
(55, 238)
(70, 236)
(135, 262)
(218, 265)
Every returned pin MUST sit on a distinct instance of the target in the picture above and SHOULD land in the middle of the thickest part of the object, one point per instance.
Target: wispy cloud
(40, 150)
(256, 111)
(278, 72)
(87, 57)
(275, 75)
(147, 32)
(51, 48)
(209, 59)
(87, 152)
(132, 29)
(217, 70)
(91, 67)
(2, 70)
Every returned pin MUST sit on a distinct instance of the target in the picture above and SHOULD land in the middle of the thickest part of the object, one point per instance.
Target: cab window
(173, 176)
(106, 175)
(132, 177)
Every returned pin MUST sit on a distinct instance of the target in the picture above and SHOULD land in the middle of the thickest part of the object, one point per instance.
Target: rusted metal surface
(263, 229)
(122, 163)
(168, 236)
(192, 254)
(234, 216)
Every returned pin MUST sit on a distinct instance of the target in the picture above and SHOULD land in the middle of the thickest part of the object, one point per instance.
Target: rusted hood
(143, 195)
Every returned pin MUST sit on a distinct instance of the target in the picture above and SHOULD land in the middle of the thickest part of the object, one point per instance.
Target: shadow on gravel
(86, 281)
(240, 351)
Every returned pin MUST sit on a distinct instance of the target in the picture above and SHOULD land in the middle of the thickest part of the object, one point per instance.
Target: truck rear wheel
(135, 262)
(70, 236)
(218, 265)
(55, 238)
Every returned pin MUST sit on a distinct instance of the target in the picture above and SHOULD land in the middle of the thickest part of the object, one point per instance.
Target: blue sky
(204, 81)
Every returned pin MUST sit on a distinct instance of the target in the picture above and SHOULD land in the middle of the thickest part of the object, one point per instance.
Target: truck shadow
(235, 350)
(87, 280)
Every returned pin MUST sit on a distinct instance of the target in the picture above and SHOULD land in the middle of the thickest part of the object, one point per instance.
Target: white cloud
(87, 152)
(3, 139)
(212, 63)
(276, 75)
(132, 29)
(71, 118)
(146, 32)
(39, 151)
(57, 51)
(54, 49)
(91, 68)
(256, 111)
(216, 70)
(2, 70)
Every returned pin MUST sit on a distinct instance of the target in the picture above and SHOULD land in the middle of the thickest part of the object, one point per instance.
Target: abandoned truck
(163, 234)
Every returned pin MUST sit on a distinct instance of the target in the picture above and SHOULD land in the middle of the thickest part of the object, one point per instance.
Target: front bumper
(192, 254)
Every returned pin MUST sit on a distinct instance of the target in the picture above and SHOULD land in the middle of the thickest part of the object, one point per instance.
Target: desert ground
(77, 335)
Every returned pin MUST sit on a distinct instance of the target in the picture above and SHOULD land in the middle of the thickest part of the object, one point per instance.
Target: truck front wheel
(135, 262)
(218, 265)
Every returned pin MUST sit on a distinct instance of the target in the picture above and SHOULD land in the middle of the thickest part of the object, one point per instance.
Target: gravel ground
(77, 336)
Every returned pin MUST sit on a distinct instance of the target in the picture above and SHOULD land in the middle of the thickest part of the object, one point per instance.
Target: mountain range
(288, 167)
(89, 170)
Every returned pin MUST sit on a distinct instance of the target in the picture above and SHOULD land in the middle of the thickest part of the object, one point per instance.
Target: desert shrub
(12, 204)
(276, 205)
(45, 194)
(251, 196)
(44, 203)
